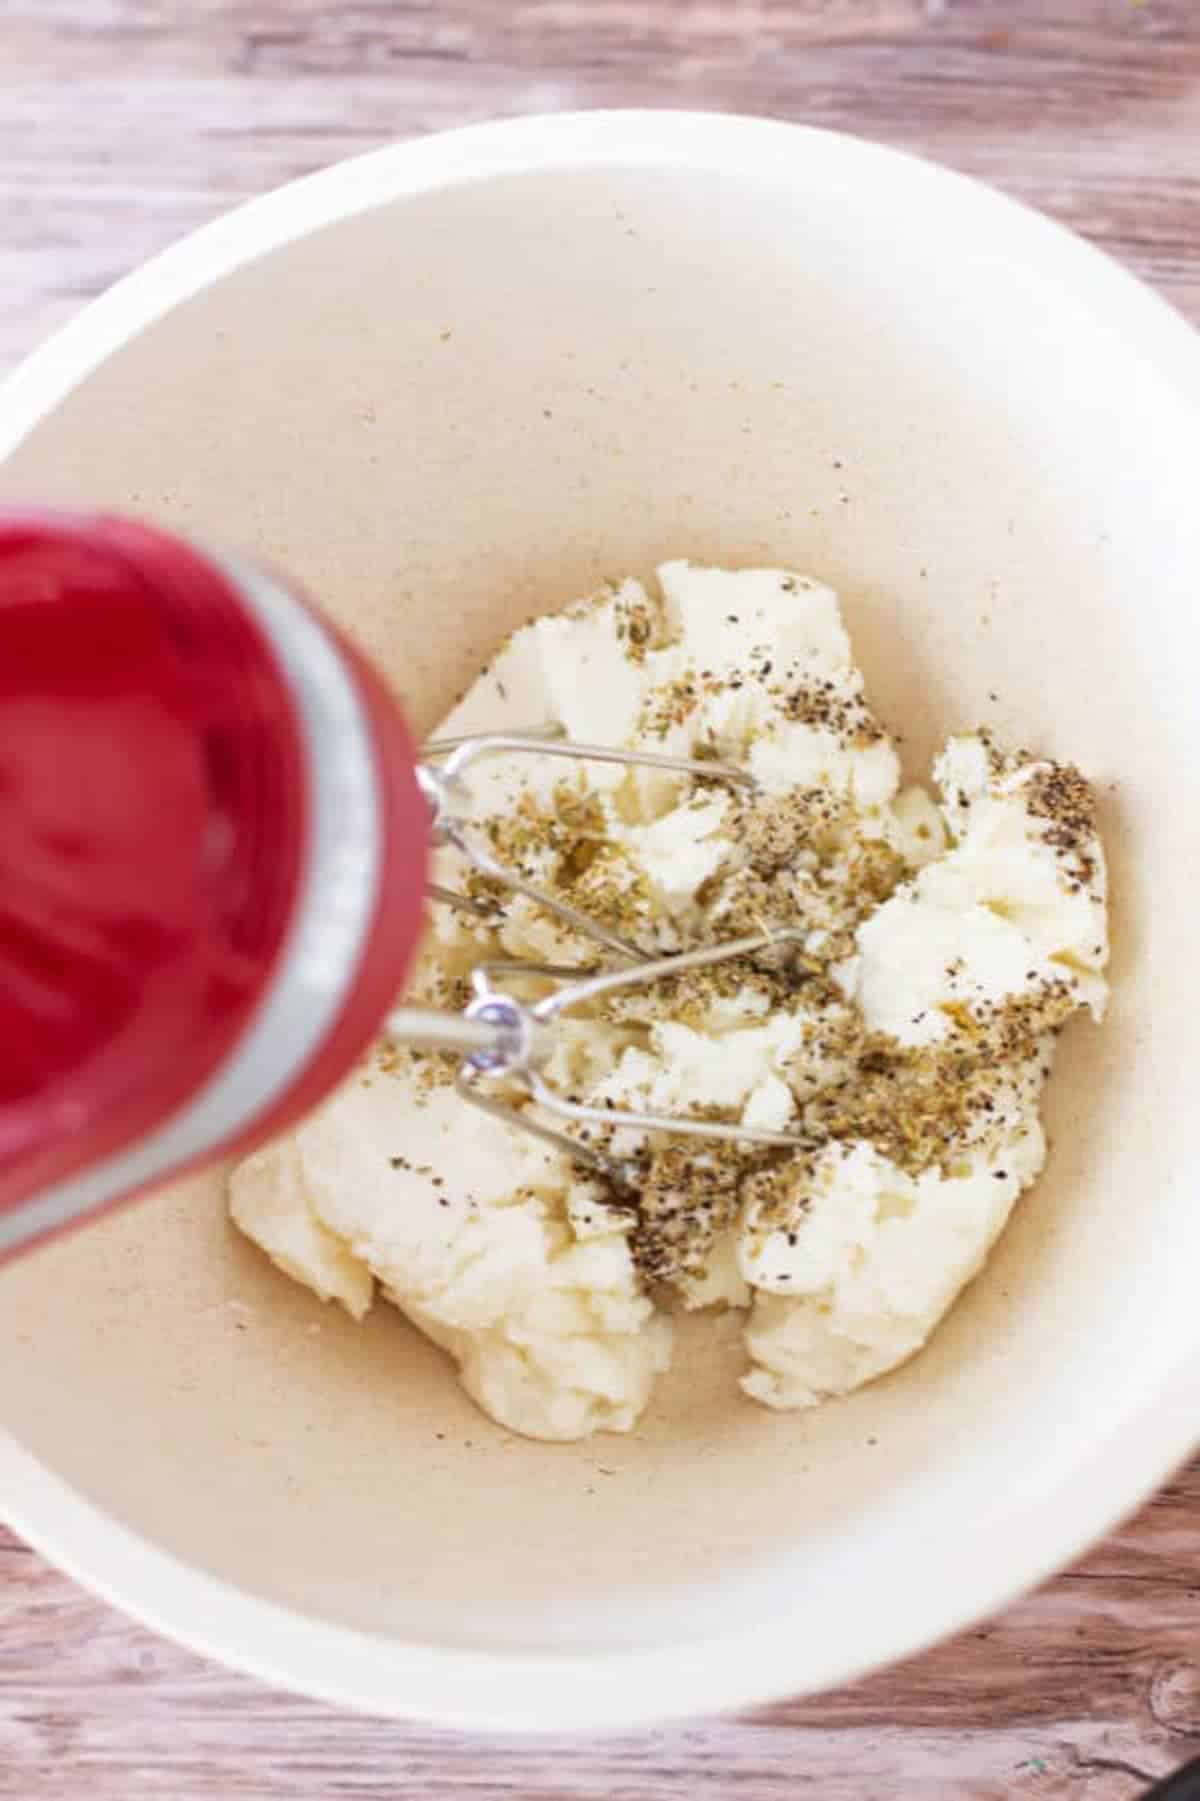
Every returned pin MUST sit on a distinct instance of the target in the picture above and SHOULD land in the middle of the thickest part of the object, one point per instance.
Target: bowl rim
(1053, 1519)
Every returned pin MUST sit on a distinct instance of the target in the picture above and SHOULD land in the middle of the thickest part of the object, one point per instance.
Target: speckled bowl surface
(456, 382)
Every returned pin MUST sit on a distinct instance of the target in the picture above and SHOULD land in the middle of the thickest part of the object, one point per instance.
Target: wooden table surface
(126, 122)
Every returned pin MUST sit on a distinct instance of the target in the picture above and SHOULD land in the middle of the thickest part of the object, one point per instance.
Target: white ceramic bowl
(460, 380)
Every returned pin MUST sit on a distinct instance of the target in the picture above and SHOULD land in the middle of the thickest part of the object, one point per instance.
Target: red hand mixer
(212, 858)
(214, 839)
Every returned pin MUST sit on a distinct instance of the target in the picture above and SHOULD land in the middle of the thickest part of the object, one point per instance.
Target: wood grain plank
(114, 141)
(1088, 1688)
(123, 124)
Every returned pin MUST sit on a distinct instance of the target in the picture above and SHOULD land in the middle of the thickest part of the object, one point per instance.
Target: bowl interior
(464, 406)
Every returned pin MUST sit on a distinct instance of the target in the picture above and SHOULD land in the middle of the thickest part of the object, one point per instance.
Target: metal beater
(503, 1039)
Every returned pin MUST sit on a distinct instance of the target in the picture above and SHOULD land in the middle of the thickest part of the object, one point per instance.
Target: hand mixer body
(212, 861)
(213, 847)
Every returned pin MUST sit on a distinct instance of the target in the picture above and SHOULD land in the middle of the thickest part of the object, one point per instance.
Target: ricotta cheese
(902, 1036)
